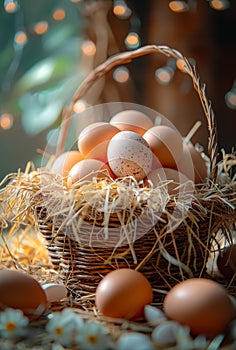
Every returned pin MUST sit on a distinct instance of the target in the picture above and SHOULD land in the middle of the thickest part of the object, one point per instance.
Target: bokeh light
(220, 4)
(164, 75)
(132, 40)
(181, 65)
(230, 99)
(121, 74)
(121, 10)
(88, 48)
(20, 38)
(79, 106)
(41, 27)
(11, 6)
(6, 121)
(178, 6)
(59, 14)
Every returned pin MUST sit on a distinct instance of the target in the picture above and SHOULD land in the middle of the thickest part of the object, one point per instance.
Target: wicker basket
(164, 254)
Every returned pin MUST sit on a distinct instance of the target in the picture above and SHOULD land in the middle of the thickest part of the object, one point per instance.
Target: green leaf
(41, 109)
(45, 71)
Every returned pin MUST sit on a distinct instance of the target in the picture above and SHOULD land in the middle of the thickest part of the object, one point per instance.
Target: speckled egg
(128, 154)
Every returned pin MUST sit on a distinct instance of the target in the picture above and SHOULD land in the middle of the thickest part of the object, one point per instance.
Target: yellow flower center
(58, 330)
(10, 326)
(92, 339)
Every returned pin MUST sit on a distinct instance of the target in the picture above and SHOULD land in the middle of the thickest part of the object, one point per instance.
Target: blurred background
(47, 48)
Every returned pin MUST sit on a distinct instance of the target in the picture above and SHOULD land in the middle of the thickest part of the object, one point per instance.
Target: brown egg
(65, 162)
(194, 166)
(123, 293)
(176, 181)
(226, 262)
(165, 143)
(88, 169)
(201, 304)
(132, 120)
(94, 139)
(21, 291)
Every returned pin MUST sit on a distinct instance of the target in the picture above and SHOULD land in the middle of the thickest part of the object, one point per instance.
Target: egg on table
(19, 290)
(128, 154)
(201, 304)
(165, 143)
(54, 292)
(93, 140)
(123, 293)
(86, 170)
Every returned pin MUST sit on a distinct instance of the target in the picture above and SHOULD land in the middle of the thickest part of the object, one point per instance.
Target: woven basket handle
(128, 56)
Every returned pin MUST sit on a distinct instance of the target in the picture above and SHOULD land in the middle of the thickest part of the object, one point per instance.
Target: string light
(121, 10)
(79, 106)
(230, 97)
(181, 64)
(75, 1)
(132, 40)
(6, 121)
(220, 4)
(121, 74)
(20, 38)
(59, 14)
(88, 48)
(165, 74)
(11, 6)
(41, 27)
(178, 6)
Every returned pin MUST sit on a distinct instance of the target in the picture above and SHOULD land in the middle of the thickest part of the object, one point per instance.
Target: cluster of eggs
(131, 145)
(199, 303)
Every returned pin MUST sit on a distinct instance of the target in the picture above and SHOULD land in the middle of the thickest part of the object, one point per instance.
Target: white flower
(13, 323)
(94, 336)
(63, 326)
(166, 333)
(133, 340)
(233, 329)
(186, 342)
(153, 315)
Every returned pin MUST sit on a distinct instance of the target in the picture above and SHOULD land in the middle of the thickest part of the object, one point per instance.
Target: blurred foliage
(38, 78)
